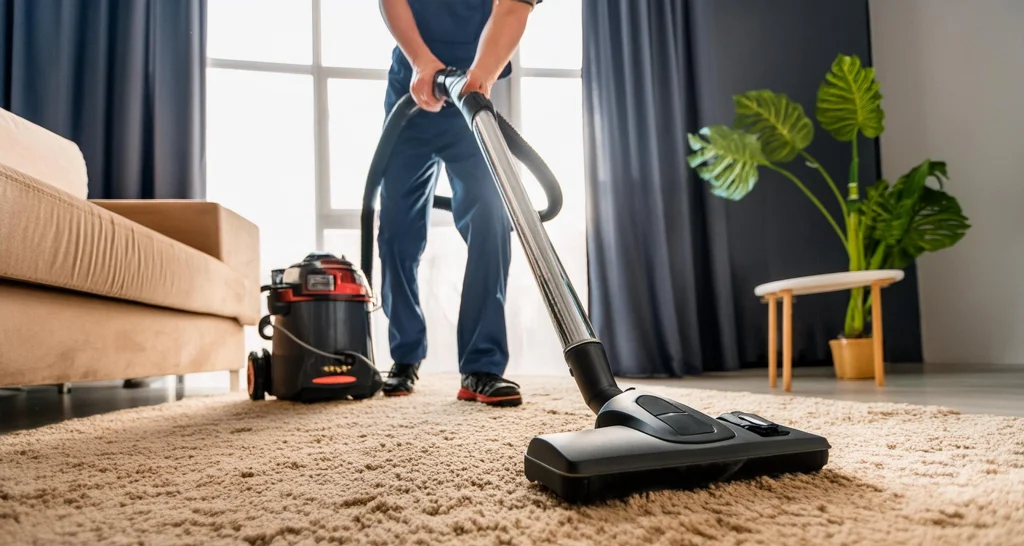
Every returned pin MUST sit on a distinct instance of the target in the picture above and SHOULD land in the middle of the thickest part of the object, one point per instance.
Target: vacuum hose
(395, 121)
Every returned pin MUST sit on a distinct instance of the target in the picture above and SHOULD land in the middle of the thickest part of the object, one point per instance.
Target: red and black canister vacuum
(322, 347)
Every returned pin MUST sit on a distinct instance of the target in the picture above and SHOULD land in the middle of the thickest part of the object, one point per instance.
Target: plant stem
(855, 165)
(813, 199)
(878, 258)
(831, 183)
(855, 310)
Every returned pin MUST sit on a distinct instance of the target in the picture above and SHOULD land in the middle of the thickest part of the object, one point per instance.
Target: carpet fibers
(428, 469)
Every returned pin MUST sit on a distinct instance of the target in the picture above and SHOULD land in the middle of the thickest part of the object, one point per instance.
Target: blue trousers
(429, 142)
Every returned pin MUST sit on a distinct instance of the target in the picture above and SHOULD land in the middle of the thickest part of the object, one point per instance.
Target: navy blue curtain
(124, 79)
(673, 268)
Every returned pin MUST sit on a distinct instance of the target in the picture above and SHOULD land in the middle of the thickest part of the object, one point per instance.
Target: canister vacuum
(322, 347)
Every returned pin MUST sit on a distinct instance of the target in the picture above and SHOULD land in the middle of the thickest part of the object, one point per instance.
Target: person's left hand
(477, 81)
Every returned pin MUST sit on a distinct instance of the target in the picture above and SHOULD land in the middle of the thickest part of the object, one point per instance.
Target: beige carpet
(431, 470)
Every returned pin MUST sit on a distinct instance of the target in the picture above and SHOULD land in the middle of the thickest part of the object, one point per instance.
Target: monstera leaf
(849, 100)
(939, 224)
(911, 218)
(728, 159)
(907, 194)
(779, 123)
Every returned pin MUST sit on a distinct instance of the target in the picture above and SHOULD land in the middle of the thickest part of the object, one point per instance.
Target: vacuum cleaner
(641, 441)
(322, 307)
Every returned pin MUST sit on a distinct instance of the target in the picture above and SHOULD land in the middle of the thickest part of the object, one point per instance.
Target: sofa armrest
(202, 225)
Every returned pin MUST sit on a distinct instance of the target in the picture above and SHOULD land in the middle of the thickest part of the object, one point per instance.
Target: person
(480, 37)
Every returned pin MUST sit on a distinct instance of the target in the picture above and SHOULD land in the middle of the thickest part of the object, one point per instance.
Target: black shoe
(401, 379)
(490, 389)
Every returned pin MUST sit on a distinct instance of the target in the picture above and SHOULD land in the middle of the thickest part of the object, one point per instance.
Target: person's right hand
(422, 86)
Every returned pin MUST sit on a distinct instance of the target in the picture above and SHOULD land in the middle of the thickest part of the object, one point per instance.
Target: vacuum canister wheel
(255, 372)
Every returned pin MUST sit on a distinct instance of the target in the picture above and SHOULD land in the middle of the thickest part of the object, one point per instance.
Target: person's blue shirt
(451, 29)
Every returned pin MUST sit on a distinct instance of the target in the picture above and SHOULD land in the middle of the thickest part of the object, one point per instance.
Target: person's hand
(422, 86)
(479, 82)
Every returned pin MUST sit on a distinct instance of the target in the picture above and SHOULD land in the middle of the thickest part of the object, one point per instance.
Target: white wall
(952, 76)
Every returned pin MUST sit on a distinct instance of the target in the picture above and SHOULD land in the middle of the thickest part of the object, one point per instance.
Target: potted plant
(887, 226)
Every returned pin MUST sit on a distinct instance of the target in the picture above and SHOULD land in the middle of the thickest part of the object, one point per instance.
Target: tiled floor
(971, 389)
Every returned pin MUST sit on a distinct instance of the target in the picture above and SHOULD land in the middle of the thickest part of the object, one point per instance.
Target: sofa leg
(235, 380)
(171, 387)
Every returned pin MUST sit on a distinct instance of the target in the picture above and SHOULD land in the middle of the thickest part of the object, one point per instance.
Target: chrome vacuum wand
(584, 353)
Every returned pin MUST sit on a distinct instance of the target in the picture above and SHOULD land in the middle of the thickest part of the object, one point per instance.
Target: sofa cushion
(205, 226)
(52, 238)
(42, 154)
(56, 336)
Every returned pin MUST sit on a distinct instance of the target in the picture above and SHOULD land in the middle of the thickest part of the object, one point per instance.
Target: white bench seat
(786, 289)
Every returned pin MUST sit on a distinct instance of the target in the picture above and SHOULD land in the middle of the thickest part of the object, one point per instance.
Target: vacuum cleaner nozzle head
(646, 442)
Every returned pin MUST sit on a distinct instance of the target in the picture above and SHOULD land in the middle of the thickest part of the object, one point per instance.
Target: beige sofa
(96, 290)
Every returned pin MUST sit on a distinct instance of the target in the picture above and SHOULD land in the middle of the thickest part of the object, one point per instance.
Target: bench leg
(773, 341)
(787, 339)
(876, 333)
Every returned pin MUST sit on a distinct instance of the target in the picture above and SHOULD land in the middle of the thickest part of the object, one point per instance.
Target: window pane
(355, 35)
(279, 31)
(259, 148)
(552, 122)
(554, 36)
(260, 158)
(356, 119)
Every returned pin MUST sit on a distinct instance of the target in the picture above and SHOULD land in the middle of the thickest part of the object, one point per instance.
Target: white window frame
(328, 217)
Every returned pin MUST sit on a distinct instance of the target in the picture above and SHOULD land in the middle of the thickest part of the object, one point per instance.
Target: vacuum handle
(449, 84)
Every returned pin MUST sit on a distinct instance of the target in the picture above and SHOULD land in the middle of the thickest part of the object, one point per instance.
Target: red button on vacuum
(334, 380)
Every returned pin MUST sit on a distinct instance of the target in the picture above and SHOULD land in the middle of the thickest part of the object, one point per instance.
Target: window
(355, 35)
(356, 112)
(268, 31)
(554, 37)
(295, 99)
(555, 129)
(260, 131)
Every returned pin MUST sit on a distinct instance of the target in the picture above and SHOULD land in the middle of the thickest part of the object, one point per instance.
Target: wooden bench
(787, 289)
